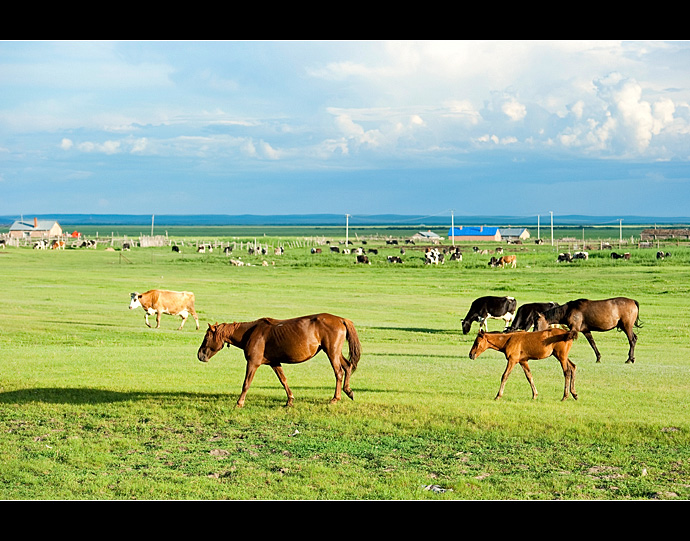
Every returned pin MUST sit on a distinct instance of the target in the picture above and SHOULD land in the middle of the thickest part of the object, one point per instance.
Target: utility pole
(347, 230)
(551, 212)
(452, 226)
(620, 240)
(538, 233)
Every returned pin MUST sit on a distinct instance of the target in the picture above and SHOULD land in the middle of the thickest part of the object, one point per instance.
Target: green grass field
(95, 405)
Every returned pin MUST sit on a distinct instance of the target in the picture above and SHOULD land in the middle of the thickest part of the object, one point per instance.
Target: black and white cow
(526, 315)
(489, 307)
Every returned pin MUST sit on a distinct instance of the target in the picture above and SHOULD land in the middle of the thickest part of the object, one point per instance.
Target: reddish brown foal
(274, 341)
(520, 347)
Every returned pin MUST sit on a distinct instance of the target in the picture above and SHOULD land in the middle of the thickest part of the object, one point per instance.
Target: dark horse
(586, 316)
(276, 341)
(520, 347)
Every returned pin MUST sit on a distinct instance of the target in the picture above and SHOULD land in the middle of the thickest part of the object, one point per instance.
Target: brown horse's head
(212, 344)
(481, 343)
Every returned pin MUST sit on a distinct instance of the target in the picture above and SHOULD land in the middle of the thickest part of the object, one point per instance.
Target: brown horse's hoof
(350, 394)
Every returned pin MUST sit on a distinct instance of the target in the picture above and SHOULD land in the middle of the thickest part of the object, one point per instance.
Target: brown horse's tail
(353, 344)
(572, 335)
(638, 323)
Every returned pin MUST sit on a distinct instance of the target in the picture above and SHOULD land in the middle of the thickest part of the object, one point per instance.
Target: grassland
(95, 405)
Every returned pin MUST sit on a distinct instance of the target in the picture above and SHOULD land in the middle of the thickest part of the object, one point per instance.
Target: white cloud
(514, 110)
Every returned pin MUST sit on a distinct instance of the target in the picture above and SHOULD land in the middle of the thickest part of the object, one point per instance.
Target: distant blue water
(339, 219)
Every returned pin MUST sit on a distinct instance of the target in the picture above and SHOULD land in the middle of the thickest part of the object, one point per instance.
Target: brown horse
(520, 347)
(586, 316)
(275, 341)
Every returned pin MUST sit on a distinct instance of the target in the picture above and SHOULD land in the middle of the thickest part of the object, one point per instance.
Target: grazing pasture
(95, 405)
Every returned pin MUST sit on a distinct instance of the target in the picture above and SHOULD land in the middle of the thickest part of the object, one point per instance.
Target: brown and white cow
(507, 260)
(160, 301)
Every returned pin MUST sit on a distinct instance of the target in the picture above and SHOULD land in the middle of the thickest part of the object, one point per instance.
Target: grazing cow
(160, 301)
(362, 259)
(373, 251)
(3, 243)
(526, 315)
(88, 243)
(227, 250)
(456, 255)
(58, 245)
(176, 249)
(493, 262)
(394, 259)
(433, 257)
(614, 255)
(279, 251)
(335, 249)
(40, 245)
(581, 255)
(626, 255)
(567, 257)
(508, 260)
(489, 307)
(316, 250)
(126, 246)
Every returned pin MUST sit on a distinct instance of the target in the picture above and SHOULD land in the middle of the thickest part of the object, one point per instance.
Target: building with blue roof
(480, 233)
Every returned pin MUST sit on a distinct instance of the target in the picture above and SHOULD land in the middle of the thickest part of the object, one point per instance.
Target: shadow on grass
(417, 329)
(76, 396)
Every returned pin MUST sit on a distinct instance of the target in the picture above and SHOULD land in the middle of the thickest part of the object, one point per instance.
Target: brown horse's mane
(557, 313)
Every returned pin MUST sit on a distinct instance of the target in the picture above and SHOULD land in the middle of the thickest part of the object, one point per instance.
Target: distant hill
(339, 219)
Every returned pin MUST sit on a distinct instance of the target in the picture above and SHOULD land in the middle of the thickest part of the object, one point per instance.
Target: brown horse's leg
(248, 377)
(573, 368)
(346, 383)
(281, 376)
(567, 375)
(632, 340)
(341, 368)
(506, 373)
(590, 339)
(339, 374)
(528, 375)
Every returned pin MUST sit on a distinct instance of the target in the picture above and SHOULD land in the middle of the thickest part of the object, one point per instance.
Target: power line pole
(347, 230)
(452, 226)
(551, 212)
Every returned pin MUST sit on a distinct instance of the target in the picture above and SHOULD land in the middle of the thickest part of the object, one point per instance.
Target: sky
(516, 128)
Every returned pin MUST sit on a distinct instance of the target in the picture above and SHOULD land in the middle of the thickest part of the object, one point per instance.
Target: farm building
(474, 233)
(428, 236)
(36, 229)
(665, 234)
(514, 234)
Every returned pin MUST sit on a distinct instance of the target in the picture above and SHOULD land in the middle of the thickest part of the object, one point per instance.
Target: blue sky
(359, 127)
